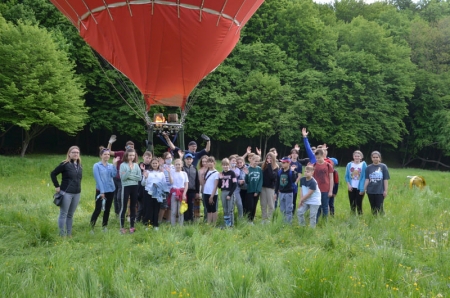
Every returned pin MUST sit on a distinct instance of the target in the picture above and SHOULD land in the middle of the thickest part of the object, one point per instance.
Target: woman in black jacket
(71, 172)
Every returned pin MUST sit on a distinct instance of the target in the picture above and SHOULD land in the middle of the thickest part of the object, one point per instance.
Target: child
(168, 169)
(210, 191)
(104, 174)
(194, 186)
(240, 176)
(270, 170)
(178, 193)
(376, 184)
(227, 183)
(130, 175)
(150, 201)
(355, 176)
(144, 166)
(284, 188)
(254, 179)
(310, 198)
(323, 173)
(334, 163)
(240, 164)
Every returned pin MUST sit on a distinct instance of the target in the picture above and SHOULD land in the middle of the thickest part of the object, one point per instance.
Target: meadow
(402, 254)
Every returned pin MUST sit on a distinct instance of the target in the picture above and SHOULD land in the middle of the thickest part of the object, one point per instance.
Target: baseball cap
(188, 155)
(334, 160)
(192, 143)
(285, 159)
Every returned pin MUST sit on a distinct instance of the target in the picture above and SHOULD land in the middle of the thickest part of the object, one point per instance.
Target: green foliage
(38, 87)
(401, 254)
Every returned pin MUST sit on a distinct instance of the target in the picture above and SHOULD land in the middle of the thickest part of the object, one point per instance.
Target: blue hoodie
(362, 178)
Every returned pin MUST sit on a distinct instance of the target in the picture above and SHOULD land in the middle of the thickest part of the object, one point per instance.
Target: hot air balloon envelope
(164, 47)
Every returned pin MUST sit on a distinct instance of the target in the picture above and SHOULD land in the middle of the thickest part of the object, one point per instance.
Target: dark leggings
(250, 203)
(130, 191)
(150, 210)
(109, 196)
(355, 201)
(376, 203)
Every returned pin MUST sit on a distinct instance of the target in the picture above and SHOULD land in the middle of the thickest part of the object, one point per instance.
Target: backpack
(294, 185)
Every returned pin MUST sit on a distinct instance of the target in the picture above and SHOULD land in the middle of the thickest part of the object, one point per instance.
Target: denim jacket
(103, 176)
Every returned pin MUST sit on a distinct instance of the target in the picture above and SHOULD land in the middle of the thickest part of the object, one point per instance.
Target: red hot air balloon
(165, 47)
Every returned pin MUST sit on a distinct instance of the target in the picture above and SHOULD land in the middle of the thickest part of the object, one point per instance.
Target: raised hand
(297, 147)
(249, 150)
(258, 151)
(112, 139)
(304, 132)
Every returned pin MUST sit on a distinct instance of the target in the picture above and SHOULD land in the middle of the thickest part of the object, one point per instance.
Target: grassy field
(402, 254)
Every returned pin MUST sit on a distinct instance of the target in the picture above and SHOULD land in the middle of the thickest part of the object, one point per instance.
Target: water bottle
(103, 204)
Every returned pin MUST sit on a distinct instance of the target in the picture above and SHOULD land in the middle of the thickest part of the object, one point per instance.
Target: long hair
(125, 156)
(273, 161)
(201, 161)
(78, 160)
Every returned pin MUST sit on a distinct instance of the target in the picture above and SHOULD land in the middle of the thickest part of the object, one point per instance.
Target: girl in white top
(355, 177)
(178, 192)
(210, 191)
(151, 203)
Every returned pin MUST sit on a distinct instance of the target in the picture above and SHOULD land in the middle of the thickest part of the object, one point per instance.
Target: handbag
(57, 198)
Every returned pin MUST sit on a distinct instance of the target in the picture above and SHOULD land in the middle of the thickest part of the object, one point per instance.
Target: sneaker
(156, 228)
(132, 230)
(123, 231)
(105, 229)
(92, 232)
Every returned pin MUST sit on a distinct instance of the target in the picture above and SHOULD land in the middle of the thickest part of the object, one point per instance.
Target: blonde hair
(226, 162)
(178, 160)
(211, 159)
(147, 153)
(68, 155)
(309, 168)
(358, 152)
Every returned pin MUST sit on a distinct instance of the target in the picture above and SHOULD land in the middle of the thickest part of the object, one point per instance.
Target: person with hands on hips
(70, 187)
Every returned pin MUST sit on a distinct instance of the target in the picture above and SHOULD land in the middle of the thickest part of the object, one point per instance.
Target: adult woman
(376, 183)
(355, 176)
(130, 175)
(104, 174)
(270, 172)
(70, 187)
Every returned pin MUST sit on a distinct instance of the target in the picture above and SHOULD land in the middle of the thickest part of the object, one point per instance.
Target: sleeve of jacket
(312, 158)
(347, 173)
(98, 178)
(362, 179)
(197, 182)
(58, 170)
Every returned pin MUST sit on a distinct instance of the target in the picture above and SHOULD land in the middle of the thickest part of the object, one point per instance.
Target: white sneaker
(156, 228)
(105, 229)
(92, 232)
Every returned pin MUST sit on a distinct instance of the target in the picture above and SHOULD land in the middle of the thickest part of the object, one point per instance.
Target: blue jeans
(324, 207)
(286, 205)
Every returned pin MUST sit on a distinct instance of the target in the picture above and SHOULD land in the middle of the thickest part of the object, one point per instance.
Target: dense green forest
(356, 75)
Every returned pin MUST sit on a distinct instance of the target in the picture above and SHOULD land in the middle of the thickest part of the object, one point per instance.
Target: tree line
(355, 74)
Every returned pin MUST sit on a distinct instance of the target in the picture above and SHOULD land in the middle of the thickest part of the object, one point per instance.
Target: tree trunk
(25, 143)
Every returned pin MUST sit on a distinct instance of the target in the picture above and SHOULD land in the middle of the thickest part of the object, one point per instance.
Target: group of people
(159, 189)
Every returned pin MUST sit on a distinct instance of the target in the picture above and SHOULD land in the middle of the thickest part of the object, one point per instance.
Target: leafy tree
(38, 87)
(369, 86)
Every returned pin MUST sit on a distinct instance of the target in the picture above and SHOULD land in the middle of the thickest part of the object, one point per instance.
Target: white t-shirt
(179, 178)
(311, 184)
(209, 183)
(355, 173)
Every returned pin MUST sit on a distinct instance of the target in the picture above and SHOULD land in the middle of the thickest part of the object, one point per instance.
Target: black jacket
(269, 177)
(71, 177)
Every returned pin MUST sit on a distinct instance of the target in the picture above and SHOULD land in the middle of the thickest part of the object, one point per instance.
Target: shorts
(210, 208)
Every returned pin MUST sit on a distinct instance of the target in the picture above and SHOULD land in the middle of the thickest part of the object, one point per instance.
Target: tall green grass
(402, 254)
